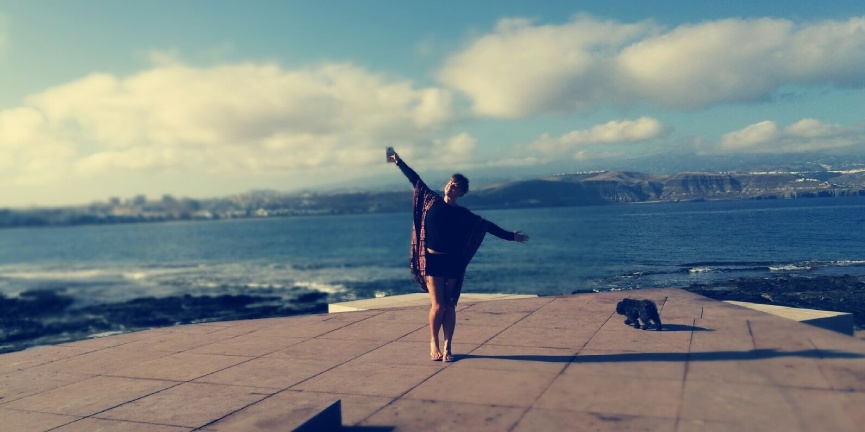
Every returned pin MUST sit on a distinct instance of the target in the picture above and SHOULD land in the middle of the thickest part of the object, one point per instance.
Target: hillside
(574, 189)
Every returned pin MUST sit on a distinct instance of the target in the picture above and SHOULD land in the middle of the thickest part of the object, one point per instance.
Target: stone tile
(187, 405)
(789, 371)
(430, 415)
(720, 341)
(760, 406)
(337, 350)
(349, 318)
(568, 304)
(89, 397)
(179, 367)
(616, 395)
(300, 329)
(463, 333)
(635, 365)
(271, 372)
(542, 337)
(402, 316)
(640, 341)
(525, 305)
(686, 425)
(822, 410)
(175, 341)
(244, 326)
(407, 352)
(281, 412)
(482, 386)
(247, 346)
(852, 404)
(40, 355)
(380, 330)
(102, 361)
(17, 385)
(100, 425)
(571, 320)
(783, 334)
(837, 345)
(357, 408)
(372, 379)
(537, 419)
(844, 374)
(499, 319)
(730, 371)
(515, 358)
(108, 341)
(23, 421)
(681, 312)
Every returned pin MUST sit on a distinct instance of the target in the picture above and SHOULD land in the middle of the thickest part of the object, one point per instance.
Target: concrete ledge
(841, 322)
(416, 299)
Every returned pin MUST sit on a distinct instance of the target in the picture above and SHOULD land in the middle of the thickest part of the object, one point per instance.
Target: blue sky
(210, 98)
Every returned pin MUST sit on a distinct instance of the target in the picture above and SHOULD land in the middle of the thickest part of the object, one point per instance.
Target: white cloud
(522, 69)
(803, 136)
(30, 152)
(249, 118)
(460, 146)
(613, 132)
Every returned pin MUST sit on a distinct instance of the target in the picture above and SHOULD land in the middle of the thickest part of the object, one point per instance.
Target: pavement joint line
(681, 404)
(751, 334)
(236, 411)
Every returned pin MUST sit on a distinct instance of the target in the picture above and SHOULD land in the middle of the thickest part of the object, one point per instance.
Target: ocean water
(363, 256)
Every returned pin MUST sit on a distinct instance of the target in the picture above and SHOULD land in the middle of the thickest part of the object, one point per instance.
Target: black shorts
(443, 265)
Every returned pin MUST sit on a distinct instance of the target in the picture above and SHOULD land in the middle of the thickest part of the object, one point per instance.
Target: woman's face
(453, 190)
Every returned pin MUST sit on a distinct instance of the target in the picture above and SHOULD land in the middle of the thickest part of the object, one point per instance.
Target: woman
(445, 237)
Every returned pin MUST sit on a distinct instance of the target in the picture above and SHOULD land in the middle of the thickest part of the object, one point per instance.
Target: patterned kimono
(424, 198)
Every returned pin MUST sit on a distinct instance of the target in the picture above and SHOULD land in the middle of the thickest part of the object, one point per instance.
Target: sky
(201, 99)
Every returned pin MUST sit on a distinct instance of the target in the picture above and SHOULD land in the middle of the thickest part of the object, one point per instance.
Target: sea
(349, 257)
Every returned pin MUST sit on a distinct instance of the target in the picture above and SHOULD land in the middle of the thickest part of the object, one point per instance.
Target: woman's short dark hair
(462, 182)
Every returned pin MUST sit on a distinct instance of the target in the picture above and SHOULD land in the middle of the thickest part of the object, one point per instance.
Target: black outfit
(447, 228)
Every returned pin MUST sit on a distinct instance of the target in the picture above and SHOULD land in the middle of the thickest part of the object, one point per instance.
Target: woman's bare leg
(449, 321)
(436, 288)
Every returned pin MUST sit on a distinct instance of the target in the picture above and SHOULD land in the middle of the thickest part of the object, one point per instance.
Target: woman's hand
(520, 237)
(393, 157)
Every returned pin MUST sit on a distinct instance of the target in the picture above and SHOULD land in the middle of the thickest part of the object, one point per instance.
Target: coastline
(48, 317)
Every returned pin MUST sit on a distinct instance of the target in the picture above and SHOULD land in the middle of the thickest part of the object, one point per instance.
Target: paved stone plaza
(524, 364)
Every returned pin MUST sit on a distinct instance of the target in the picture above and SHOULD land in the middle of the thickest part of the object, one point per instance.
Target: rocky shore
(46, 317)
(831, 293)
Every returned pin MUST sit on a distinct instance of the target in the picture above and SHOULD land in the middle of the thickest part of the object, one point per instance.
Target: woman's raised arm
(409, 173)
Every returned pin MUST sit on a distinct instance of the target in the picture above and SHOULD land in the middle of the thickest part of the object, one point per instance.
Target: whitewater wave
(322, 287)
(701, 270)
(791, 267)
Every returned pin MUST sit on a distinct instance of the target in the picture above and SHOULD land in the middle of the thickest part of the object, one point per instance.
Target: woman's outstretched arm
(506, 235)
(409, 173)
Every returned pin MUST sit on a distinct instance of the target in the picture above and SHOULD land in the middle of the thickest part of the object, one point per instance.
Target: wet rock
(44, 317)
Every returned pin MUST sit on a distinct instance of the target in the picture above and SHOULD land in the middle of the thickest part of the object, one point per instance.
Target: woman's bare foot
(435, 353)
(447, 357)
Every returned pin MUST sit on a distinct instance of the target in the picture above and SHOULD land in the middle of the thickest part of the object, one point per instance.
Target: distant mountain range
(630, 187)
(570, 189)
